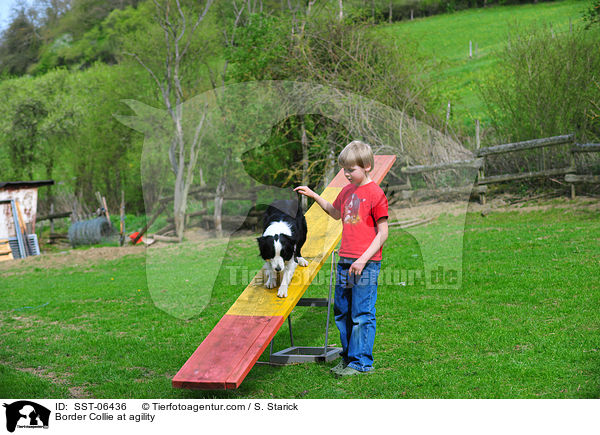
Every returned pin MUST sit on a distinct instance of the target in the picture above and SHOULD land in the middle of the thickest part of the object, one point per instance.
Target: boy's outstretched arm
(323, 203)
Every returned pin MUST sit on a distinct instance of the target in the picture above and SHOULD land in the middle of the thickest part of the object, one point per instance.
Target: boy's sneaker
(349, 371)
(341, 366)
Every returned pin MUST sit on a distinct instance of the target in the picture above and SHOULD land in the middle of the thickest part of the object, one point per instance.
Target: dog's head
(276, 250)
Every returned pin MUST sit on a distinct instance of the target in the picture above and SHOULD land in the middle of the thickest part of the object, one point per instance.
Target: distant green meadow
(524, 324)
(444, 40)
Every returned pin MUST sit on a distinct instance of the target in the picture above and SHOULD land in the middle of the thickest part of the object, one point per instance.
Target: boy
(363, 208)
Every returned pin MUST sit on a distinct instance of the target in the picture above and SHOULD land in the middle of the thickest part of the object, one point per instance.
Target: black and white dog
(283, 237)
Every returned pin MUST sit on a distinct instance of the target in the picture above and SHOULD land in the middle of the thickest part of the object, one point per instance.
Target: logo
(25, 414)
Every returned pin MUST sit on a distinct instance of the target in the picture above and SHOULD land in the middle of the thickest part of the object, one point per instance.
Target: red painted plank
(382, 165)
(232, 348)
(339, 180)
(254, 352)
(228, 353)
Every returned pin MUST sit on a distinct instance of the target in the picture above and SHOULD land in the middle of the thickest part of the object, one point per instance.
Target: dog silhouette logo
(26, 414)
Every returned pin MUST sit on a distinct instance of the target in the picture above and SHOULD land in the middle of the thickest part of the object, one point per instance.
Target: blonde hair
(357, 153)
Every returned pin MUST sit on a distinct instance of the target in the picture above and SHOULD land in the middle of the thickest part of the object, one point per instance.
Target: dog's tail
(299, 210)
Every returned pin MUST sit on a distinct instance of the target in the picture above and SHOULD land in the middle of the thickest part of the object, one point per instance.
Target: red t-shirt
(360, 208)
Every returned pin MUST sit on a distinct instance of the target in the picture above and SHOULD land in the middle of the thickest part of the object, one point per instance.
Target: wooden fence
(482, 181)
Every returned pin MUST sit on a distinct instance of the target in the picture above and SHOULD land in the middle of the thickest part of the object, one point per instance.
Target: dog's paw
(282, 293)
(271, 282)
(302, 262)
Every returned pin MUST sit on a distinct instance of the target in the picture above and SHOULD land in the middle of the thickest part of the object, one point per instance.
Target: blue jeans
(354, 311)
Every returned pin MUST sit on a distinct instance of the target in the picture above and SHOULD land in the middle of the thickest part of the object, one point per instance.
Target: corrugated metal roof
(17, 184)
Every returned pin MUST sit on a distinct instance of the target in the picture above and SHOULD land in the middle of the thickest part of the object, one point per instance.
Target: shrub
(592, 14)
(544, 85)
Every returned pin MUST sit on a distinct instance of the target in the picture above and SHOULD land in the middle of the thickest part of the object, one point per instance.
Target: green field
(444, 40)
(524, 324)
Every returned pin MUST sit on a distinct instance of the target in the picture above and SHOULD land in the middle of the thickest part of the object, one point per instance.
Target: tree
(53, 10)
(232, 20)
(24, 136)
(76, 17)
(344, 56)
(183, 153)
(19, 45)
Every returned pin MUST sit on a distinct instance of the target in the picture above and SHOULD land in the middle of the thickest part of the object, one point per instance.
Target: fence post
(51, 220)
(411, 199)
(573, 168)
(480, 173)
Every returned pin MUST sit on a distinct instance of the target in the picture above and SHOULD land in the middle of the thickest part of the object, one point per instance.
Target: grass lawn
(444, 39)
(525, 323)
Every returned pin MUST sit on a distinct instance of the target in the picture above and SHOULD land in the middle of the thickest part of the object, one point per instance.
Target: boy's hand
(306, 191)
(357, 267)
(324, 204)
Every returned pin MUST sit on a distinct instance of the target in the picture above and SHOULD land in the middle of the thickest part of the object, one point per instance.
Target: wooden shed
(25, 193)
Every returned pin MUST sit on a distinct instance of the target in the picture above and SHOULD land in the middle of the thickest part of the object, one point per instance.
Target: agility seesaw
(231, 349)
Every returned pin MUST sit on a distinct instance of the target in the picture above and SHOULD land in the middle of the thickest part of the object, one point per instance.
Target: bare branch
(198, 21)
(229, 41)
(195, 149)
(311, 3)
(158, 83)
(183, 28)
(177, 38)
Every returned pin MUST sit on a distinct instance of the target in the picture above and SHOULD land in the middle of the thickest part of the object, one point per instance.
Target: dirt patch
(425, 211)
(79, 393)
(76, 392)
(201, 238)
(82, 258)
(73, 257)
(42, 373)
(498, 204)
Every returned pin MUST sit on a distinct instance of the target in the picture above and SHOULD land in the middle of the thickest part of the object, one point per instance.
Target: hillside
(444, 39)
(57, 120)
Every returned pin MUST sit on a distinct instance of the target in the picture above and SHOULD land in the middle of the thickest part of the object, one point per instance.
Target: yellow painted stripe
(324, 233)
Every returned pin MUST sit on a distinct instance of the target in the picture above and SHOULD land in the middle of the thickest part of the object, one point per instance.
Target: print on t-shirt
(351, 208)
